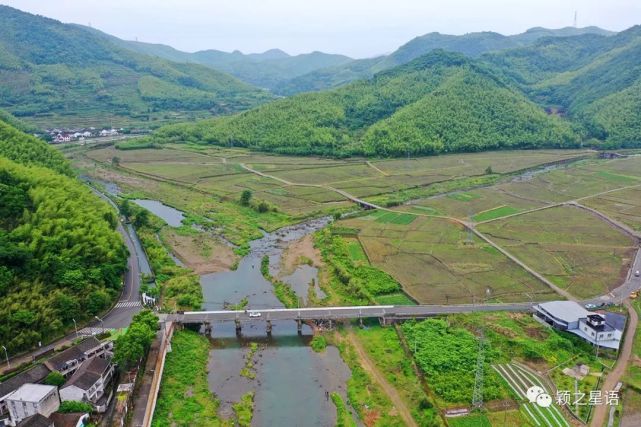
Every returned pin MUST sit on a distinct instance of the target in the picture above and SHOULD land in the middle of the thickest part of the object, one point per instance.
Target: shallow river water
(291, 380)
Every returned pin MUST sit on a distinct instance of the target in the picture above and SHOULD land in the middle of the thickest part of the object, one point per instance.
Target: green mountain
(50, 68)
(268, 70)
(471, 44)
(439, 102)
(60, 255)
(593, 79)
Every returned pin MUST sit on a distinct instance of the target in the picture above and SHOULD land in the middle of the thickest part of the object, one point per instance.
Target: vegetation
(318, 343)
(244, 410)
(132, 346)
(184, 399)
(385, 349)
(444, 352)
(55, 378)
(343, 416)
(46, 220)
(179, 287)
(53, 68)
(282, 290)
(248, 370)
(71, 406)
(441, 102)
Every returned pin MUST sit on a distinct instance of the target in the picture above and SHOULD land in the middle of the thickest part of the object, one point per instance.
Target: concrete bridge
(385, 313)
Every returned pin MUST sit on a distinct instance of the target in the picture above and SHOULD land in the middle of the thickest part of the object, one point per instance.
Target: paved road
(340, 313)
(119, 316)
(631, 284)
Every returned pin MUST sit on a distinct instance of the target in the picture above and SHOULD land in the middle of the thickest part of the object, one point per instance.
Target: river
(291, 380)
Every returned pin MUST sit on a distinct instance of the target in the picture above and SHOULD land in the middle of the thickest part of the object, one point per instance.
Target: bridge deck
(341, 313)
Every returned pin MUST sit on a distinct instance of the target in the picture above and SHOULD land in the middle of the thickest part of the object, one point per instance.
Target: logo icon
(536, 394)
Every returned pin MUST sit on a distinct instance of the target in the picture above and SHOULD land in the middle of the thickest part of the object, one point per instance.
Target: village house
(32, 399)
(69, 360)
(35, 375)
(89, 383)
(599, 329)
(37, 420)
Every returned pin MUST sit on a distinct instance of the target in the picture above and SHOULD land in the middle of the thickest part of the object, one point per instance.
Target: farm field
(584, 255)
(435, 261)
(623, 205)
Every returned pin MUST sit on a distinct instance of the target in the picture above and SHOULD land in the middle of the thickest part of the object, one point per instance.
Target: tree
(142, 218)
(71, 406)
(125, 208)
(245, 197)
(115, 161)
(131, 347)
(263, 207)
(55, 378)
(488, 170)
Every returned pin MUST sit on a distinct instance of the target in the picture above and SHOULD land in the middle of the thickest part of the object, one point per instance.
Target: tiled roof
(88, 373)
(33, 376)
(36, 420)
(57, 362)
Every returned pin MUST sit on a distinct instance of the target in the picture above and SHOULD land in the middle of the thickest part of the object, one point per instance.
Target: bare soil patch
(299, 252)
(201, 252)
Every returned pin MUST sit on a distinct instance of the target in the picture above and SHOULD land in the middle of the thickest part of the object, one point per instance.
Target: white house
(31, 399)
(602, 329)
(35, 375)
(89, 382)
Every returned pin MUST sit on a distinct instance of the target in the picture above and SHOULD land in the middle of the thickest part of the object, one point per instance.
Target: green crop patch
(474, 420)
(498, 212)
(618, 178)
(396, 218)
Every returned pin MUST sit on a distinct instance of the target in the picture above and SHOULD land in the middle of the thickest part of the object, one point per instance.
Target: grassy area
(366, 397)
(282, 290)
(384, 348)
(244, 409)
(318, 343)
(184, 398)
(474, 420)
(343, 416)
(437, 261)
(499, 212)
(573, 248)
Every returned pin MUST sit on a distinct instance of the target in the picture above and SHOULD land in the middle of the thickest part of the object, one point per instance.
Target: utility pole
(101, 323)
(6, 355)
(477, 397)
(575, 18)
(75, 326)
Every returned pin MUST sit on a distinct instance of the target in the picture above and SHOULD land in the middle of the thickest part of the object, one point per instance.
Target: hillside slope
(471, 44)
(47, 67)
(594, 80)
(440, 102)
(60, 256)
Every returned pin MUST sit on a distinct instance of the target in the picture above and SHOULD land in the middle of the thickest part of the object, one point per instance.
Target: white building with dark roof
(35, 375)
(32, 399)
(66, 362)
(89, 382)
(600, 329)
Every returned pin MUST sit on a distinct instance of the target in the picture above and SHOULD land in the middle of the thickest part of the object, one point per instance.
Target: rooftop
(58, 361)
(88, 373)
(67, 420)
(31, 392)
(567, 311)
(33, 375)
(36, 420)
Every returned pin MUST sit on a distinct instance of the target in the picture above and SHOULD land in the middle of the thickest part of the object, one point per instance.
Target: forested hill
(440, 102)
(47, 67)
(60, 256)
(471, 44)
(594, 80)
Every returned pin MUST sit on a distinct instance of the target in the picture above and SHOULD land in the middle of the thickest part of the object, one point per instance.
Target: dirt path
(373, 166)
(600, 411)
(373, 371)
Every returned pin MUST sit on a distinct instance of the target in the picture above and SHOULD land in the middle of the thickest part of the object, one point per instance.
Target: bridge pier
(238, 327)
(207, 328)
(382, 321)
(299, 326)
(269, 328)
(360, 322)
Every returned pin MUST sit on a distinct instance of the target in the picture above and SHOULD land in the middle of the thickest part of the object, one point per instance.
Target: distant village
(59, 136)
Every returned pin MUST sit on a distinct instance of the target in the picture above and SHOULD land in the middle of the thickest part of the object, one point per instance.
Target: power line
(477, 396)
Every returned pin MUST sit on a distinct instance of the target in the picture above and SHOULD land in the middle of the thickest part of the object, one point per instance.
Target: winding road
(119, 316)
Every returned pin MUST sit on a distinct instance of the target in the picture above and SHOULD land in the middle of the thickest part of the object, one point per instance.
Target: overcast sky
(359, 28)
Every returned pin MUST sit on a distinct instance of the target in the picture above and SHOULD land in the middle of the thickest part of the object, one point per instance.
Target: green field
(571, 247)
(434, 261)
